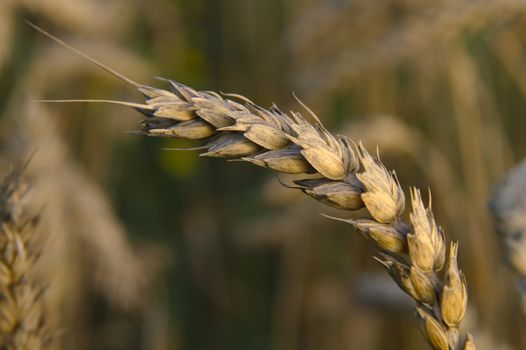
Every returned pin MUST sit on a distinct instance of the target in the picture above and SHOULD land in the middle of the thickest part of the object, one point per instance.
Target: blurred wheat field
(158, 249)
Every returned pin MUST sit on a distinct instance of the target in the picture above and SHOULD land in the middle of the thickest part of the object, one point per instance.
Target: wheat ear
(508, 206)
(22, 320)
(348, 178)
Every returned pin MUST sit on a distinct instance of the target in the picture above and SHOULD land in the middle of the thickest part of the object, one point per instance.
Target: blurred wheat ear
(508, 206)
(347, 177)
(22, 317)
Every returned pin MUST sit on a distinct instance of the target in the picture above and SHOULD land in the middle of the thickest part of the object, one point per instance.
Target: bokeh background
(155, 249)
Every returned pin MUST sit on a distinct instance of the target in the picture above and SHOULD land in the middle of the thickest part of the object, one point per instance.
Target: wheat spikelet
(22, 320)
(347, 177)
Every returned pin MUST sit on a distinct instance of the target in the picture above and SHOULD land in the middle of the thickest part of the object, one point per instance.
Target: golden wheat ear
(85, 56)
(348, 177)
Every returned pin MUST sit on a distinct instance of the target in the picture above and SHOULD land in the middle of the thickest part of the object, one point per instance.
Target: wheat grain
(22, 318)
(348, 178)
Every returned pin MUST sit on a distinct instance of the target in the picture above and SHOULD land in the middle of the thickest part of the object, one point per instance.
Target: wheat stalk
(22, 320)
(348, 178)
